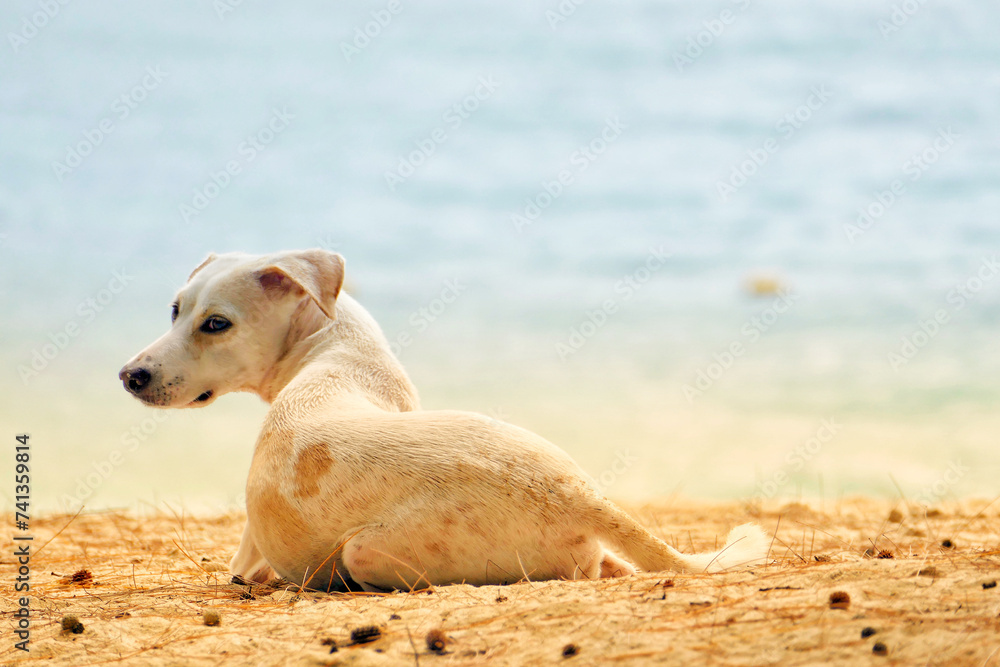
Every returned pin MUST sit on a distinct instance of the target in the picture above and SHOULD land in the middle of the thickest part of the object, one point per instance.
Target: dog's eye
(215, 324)
(174, 310)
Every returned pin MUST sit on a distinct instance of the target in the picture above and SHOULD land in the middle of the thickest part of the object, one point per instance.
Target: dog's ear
(211, 258)
(318, 273)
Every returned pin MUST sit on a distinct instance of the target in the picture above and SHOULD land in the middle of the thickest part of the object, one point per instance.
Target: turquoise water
(541, 160)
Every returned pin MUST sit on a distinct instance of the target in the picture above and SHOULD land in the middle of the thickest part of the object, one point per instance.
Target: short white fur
(352, 484)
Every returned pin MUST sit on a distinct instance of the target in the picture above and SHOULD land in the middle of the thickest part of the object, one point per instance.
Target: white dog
(351, 484)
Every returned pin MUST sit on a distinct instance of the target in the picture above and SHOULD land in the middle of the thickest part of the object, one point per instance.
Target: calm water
(596, 187)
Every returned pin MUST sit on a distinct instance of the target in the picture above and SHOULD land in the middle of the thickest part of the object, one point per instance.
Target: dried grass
(152, 577)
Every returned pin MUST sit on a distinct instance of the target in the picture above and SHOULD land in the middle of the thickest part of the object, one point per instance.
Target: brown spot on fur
(310, 466)
(434, 547)
(578, 540)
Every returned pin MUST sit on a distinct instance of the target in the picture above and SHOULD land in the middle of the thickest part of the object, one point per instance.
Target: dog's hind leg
(613, 566)
(248, 562)
(378, 563)
(414, 554)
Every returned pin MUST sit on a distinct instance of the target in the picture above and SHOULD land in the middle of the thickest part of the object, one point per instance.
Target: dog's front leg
(248, 561)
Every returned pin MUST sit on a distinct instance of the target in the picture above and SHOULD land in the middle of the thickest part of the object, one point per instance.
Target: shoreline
(152, 577)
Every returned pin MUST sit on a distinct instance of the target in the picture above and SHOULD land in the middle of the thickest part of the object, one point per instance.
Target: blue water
(642, 108)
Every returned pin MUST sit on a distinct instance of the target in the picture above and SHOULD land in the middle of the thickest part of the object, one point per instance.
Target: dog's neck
(347, 359)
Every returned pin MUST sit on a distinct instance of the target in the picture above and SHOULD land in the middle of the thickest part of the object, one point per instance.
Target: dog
(352, 486)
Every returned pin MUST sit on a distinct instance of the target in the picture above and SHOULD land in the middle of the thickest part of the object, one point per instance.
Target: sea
(737, 250)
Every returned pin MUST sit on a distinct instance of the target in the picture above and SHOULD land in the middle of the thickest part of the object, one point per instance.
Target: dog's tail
(746, 545)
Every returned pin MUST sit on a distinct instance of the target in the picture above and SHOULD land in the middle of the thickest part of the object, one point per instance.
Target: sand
(928, 599)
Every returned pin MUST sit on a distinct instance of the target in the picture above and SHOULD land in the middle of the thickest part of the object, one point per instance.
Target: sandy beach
(924, 593)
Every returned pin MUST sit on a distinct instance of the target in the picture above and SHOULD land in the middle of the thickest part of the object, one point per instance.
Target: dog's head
(233, 322)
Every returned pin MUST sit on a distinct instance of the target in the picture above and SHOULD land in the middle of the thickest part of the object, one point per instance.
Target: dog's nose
(134, 379)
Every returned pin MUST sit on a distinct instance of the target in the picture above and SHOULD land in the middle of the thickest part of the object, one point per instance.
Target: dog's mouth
(204, 397)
